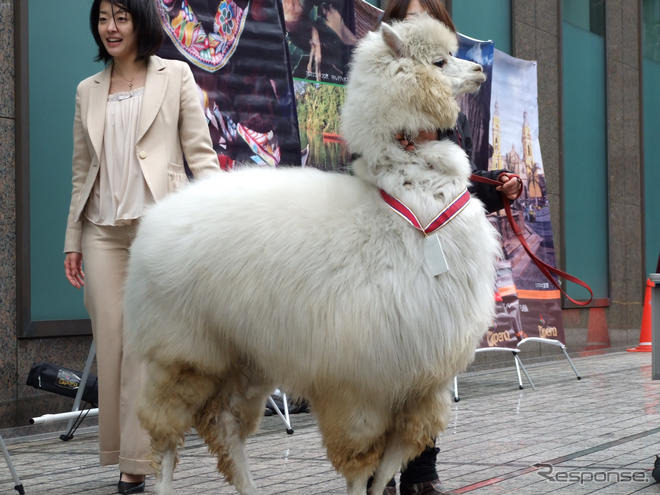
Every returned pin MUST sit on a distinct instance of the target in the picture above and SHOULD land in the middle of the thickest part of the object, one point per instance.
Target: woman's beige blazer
(171, 125)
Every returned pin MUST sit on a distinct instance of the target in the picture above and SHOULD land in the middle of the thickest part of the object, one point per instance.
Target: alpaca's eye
(440, 63)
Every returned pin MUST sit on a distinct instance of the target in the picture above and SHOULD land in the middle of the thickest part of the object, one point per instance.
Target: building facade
(598, 65)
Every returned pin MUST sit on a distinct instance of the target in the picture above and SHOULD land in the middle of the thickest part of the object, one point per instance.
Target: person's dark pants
(421, 468)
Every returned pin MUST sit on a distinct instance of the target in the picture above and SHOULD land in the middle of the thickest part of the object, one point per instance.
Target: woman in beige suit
(133, 124)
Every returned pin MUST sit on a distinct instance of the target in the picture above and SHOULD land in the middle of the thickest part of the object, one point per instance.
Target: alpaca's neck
(423, 189)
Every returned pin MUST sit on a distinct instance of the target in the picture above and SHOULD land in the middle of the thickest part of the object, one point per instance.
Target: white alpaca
(308, 280)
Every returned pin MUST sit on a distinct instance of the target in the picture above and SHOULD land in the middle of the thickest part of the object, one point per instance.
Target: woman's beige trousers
(121, 438)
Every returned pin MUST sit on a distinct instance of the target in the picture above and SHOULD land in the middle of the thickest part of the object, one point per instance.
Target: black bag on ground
(295, 406)
(62, 381)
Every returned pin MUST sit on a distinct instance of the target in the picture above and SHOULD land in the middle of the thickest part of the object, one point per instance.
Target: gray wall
(624, 135)
(8, 342)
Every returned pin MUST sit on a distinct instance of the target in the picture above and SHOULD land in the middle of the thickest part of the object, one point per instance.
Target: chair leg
(515, 360)
(520, 364)
(570, 361)
(286, 414)
(284, 417)
(73, 424)
(18, 486)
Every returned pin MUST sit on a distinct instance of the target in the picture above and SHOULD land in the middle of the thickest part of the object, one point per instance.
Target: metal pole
(18, 486)
(68, 435)
(289, 430)
(456, 397)
(655, 323)
(522, 367)
(515, 360)
(570, 361)
(52, 418)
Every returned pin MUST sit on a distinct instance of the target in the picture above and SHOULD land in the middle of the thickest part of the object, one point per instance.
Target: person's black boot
(390, 488)
(420, 476)
(656, 469)
(422, 488)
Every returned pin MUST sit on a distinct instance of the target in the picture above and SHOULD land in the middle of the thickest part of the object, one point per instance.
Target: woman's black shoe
(128, 487)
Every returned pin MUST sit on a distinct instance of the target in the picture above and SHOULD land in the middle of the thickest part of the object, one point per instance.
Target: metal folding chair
(516, 360)
(556, 343)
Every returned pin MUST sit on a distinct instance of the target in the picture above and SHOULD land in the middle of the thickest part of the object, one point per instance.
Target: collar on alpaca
(441, 219)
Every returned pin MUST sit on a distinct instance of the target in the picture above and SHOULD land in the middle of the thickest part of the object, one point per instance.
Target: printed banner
(320, 39)
(319, 108)
(238, 53)
(527, 304)
(476, 106)
(506, 328)
(367, 17)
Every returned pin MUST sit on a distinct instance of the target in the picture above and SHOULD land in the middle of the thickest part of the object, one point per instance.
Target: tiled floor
(598, 435)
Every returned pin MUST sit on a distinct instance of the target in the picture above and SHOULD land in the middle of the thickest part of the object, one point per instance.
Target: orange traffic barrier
(645, 332)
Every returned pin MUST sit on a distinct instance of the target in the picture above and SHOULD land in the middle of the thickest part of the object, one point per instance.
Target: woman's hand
(511, 186)
(73, 269)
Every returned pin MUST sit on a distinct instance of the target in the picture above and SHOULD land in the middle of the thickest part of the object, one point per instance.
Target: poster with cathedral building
(528, 305)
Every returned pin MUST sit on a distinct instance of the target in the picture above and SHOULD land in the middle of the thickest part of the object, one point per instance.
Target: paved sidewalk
(501, 440)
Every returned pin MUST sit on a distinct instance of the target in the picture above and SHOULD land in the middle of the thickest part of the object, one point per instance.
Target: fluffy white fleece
(309, 281)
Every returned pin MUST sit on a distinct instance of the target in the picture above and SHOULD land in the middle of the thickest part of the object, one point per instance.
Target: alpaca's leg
(167, 464)
(171, 395)
(354, 432)
(226, 421)
(415, 428)
(396, 453)
(358, 486)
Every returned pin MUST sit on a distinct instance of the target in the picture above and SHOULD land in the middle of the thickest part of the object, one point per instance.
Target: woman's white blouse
(120, 192)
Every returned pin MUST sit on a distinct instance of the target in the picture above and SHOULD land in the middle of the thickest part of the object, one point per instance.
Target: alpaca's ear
(392, 39)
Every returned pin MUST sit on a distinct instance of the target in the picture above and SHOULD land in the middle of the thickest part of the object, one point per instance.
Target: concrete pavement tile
(648, 490)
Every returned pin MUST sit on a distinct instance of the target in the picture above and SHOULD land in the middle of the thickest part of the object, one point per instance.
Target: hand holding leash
(546, 269)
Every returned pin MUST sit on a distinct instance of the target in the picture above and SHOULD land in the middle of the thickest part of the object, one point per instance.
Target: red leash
(545, 268)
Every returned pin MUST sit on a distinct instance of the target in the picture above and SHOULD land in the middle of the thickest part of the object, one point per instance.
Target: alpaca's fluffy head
(404, 78)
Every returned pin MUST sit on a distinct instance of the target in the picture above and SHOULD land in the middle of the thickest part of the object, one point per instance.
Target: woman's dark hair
(396, 11)
(146, 23)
